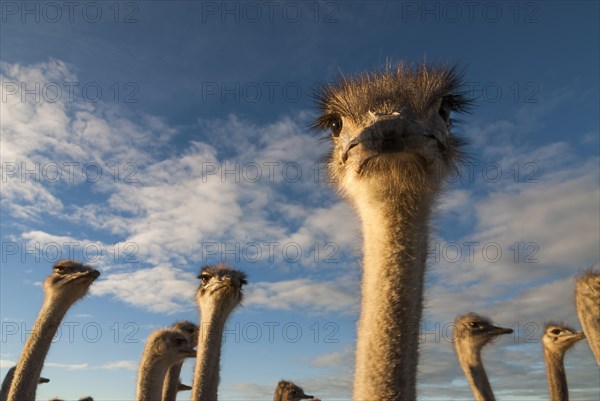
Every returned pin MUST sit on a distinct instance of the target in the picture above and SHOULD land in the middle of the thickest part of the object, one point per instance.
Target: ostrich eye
(335, 125)
(180, 341)
(204, 277)
(444, 111)
(555, 332)
(475, 325)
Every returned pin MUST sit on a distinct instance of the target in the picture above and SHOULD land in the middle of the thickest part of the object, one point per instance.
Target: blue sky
(162, 136)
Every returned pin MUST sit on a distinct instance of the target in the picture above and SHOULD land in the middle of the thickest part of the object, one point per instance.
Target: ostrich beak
(189, 352)
(86, 276)
(577, 336)
(90, 275)
(388, 134)
(500, 330)
(183, 387)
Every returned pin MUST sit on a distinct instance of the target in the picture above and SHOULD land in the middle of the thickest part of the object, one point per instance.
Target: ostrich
(172, 384)
(471, 333)
(68, 282)
(587, 298)
(220, 291)
(8, 380)
(557, 339)
(164, 348)
(392, 150)
(288, 391)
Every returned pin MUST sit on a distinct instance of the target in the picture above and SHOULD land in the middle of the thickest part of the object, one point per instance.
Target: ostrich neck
(588, 309)
(151, 378)
(395, 249)
(208, 357)
(31, 362)
(473, 368)
(6, 384)
(557, 379)
(172, 382)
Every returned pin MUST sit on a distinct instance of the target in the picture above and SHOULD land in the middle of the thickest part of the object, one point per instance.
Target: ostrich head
(396, 123)
(558, 337)
(476, 330)
(220, 288)
(170, 346)
(69, 281)
(188, 329)
(288, 391)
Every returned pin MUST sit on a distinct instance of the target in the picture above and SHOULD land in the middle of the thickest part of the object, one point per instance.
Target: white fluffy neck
(395, 249)
(171, 382)
(151, 377)
(472, 366)
(208, 358)
(557, 378)
(31, 361)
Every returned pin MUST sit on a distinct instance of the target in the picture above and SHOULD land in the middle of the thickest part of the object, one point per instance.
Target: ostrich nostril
(347, 150)
(389, 139)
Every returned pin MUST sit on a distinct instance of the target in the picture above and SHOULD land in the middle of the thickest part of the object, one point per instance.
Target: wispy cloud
(183, 208)
(315, 297)
(49, 144)
(162, 288)
(337, 359)
(127, 365)
(5, 363)
(67, 366)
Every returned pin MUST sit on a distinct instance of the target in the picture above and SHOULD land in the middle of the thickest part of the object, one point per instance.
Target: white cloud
(47, 143)
(50, 248)
(175, 206)
(253, 391)
(338, 359)
(127, 365)
(6, 364)
(316, 297)
(67, 366)
(162, 288)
